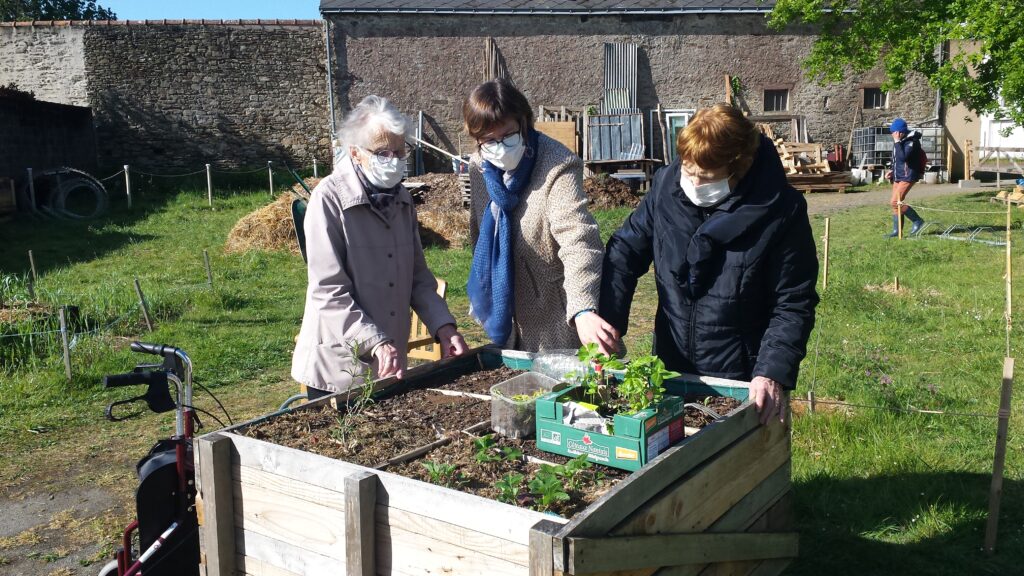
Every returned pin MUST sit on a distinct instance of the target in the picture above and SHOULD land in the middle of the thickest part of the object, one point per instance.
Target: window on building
(776, 100)
(875, 98)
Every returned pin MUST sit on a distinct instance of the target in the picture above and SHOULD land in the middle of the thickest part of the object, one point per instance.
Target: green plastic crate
(636, 438)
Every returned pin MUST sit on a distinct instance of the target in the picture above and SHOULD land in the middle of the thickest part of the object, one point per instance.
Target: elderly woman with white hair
(365, 262)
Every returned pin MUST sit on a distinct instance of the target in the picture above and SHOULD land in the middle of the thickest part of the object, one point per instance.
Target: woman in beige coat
(365, 262)
(536, 274)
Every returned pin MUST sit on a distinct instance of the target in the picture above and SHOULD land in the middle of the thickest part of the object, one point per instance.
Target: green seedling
(508, 488)
(485, 449)
(593, 379)
(512, 454)
(442, 474)
(641, 385)
(548, 489)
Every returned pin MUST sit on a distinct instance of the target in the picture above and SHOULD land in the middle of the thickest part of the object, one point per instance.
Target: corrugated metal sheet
(615, 137)
(619, 78)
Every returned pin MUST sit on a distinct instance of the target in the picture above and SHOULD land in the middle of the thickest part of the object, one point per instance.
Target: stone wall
(46, 60)
(171, 96)
(431, 62)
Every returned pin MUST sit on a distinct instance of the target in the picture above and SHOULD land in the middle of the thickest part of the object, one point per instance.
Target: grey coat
(556, 245)
(365, 271)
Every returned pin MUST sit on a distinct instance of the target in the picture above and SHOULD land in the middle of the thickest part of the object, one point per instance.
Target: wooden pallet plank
(410, 553)
(589, 555)
(630, 494)
(284, 555)
(452, 534)
(360, 509)
(215, 505)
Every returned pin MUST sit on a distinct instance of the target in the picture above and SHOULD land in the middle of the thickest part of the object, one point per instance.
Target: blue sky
(215, 9)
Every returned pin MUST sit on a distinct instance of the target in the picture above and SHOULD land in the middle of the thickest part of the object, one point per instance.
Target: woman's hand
(451, 342)
(768, 398)
(592, 328)
(387, 361)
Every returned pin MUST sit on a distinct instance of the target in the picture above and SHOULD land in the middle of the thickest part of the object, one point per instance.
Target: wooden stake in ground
(128, 185)
(996, 491)
(270, 175)
(824, 277)
(315, 174)
(811, 404)
(899, 220)
(896, 284)
(31, 191)
(209, 273)
(968, 145)
(142, 302)
(728, 89)
(1009, 291)
(32, 282)
(209, 186)
(64, 342)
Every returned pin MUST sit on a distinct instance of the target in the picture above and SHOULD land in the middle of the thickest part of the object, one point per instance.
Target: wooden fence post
(811, 402)
(216, 504)
(996, 491)
(128, 185)
(142, 302)
(315, 173)
(968, 151)
(64, 342)
(270, 176)
(209, 272)
(824, 278)
(360, 507)
(31, 191)
(32, 282)
(209, 186)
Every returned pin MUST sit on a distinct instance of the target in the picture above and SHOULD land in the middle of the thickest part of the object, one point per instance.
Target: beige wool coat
(365, 270)
(556, 248)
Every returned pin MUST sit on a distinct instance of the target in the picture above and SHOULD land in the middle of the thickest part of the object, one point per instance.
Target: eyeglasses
(386, 155)
(508, 140)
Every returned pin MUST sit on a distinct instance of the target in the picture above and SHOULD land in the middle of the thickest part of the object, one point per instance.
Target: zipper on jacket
(693, 309)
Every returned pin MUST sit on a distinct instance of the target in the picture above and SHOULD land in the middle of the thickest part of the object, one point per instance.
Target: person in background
(906, 170)
(734, 260)
(536, 272)
(365, 262)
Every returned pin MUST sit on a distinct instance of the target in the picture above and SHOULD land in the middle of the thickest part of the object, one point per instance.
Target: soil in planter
(388, 427)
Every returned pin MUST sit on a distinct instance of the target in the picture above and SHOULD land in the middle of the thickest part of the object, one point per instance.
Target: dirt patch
(13, 312)
(269, 228)
(888, 287)
(605, 192)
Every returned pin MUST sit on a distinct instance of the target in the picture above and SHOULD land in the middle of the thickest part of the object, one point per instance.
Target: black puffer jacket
(736, 282)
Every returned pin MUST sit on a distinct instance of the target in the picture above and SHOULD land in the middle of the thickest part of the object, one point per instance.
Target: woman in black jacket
(734, 260)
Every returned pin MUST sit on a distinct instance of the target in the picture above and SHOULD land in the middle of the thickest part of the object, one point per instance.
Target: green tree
(53, 10)
(915, 35)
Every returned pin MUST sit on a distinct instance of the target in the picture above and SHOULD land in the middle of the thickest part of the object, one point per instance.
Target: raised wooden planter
(717, 503)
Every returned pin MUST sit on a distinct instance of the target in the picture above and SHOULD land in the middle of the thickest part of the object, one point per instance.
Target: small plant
(509, 487)
(548, 489)
(574, 471)
(442, 474)
(641, 385)
(593, 379)
(528, 397)
(485, 449)
(511, 454)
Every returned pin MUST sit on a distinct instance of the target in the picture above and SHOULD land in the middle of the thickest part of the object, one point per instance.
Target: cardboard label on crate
(587, 446)
(551, 437)
(626, 454)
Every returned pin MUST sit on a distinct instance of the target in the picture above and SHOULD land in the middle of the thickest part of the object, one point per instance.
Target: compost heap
(443, 220)
(605, 192)
(270, 227)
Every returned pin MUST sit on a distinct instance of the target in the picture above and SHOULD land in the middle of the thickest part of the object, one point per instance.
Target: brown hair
(491, 104)
(720, 136)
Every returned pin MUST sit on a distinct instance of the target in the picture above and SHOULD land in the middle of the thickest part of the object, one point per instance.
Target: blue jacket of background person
(735, 301)
(905, 162)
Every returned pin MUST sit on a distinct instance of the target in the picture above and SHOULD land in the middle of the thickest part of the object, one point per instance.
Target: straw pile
(443, 220)
(269, 228)
(604, 192)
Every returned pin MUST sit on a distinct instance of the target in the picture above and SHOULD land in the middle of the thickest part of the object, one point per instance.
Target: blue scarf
(491, 277)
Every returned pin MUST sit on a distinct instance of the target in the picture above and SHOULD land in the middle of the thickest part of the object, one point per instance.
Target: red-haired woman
(734, 260)
(536, 274)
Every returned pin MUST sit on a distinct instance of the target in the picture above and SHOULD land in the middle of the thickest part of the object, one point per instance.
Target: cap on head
(898, 125)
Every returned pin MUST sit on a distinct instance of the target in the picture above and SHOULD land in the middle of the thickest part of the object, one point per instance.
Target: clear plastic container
(561, 365)
(513, 413)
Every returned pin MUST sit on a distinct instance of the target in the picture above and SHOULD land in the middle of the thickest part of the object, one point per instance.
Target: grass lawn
(878, 491)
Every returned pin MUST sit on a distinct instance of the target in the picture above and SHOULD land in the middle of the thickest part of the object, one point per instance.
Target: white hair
(371, 117)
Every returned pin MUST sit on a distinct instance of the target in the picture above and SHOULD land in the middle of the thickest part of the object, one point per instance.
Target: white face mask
(503, 156)
(705, 195)
(383, 173)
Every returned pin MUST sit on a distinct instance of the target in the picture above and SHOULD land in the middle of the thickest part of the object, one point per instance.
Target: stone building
(428, 54)
(172, 95)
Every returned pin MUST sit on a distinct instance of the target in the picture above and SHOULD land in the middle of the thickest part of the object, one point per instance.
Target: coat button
(389, 255)
(392, 313)
(391, 284)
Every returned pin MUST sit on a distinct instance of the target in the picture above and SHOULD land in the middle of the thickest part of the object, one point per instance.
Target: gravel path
(829, 202)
